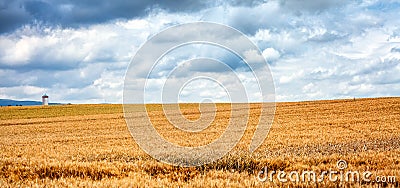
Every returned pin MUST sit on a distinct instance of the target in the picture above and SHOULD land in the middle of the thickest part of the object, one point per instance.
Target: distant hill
(9, 102)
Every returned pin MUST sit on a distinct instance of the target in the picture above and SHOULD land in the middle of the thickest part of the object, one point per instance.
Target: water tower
(45, 100)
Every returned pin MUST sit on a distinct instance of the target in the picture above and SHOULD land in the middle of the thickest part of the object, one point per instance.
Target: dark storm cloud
(311, 5)
(75, 13)
(282, 14)
(395, 49)
(245, 3)
(37, 64)
(12, 15)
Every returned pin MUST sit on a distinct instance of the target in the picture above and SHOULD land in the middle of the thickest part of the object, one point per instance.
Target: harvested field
(90, 145)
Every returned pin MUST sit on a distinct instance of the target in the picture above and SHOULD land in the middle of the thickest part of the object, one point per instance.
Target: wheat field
(90, 146)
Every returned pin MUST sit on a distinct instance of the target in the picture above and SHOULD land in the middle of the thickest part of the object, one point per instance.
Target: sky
(78, 51)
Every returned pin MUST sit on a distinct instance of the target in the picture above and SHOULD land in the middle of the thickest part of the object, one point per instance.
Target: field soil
(91, 146)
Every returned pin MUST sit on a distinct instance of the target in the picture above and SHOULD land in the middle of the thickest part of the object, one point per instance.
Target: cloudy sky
(78, 50)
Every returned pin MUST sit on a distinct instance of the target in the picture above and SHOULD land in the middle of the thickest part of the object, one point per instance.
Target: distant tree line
(11, 105)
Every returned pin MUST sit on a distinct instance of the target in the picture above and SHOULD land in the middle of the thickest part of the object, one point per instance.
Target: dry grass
(90, 145)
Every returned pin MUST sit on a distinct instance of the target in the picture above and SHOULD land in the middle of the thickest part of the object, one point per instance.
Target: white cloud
(22, 92)
(290, 77)
(270, 54)
(252, 56)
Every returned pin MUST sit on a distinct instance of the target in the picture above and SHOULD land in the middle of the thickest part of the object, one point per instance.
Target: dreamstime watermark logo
(240, 75)
(339, 175)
